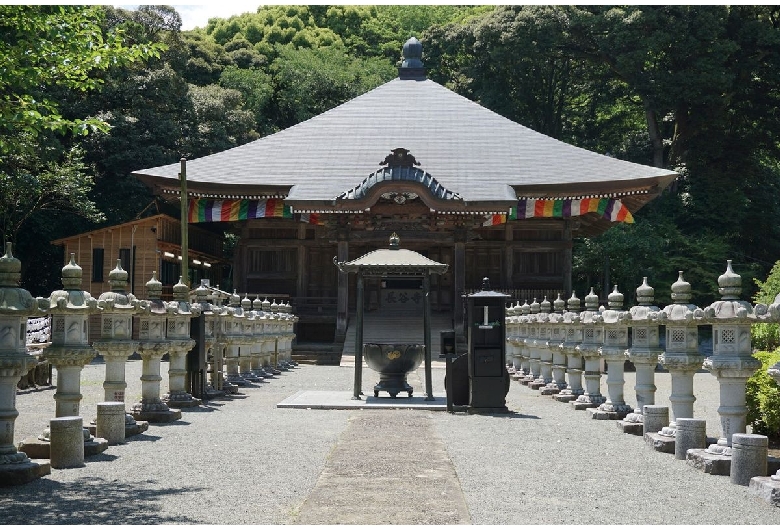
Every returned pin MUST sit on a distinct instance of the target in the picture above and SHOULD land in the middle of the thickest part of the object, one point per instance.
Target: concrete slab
(342, 400)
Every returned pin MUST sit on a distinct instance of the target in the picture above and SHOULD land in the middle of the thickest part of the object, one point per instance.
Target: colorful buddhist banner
(612, 209)
(212, 211)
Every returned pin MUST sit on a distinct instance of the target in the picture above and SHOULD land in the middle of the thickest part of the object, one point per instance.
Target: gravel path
(241, 460)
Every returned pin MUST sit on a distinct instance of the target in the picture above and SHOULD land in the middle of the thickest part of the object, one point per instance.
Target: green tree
(47, 46)
(311, 81)
(220, 121)
(31, 185)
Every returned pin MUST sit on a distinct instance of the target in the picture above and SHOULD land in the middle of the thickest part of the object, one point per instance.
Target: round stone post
(557, 337)
(749, 457)
(116, 344)
(655, 418)
(573, 338)
(110, 422)
(614, 351)
(16, 305)
(179, 314)
(68, 353)
(646, 320)
(589, 349)
(681, 358)
(153, 344)
(691, 434)
(732, 361)
(67, 442)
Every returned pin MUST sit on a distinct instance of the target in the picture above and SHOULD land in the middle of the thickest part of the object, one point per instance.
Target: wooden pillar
(567, 258)
(509, 253)
(427, 333)
(300, 287)
(459, 274)
(342, 307)
(359, 339)
(240, 267)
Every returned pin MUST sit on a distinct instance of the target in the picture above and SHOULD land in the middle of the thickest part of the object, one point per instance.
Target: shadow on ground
(95, 501)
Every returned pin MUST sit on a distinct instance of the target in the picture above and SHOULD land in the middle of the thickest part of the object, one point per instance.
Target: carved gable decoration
(400, 167)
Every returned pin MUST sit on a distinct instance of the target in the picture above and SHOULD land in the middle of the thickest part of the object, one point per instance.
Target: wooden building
(143, 246)
(457, 182)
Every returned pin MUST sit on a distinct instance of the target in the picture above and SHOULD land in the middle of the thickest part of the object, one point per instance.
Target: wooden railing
(314, 305)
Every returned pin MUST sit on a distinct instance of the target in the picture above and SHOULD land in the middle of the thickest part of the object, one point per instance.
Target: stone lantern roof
(13, 299)
(730, 307)
(71, 298)
(117, 298)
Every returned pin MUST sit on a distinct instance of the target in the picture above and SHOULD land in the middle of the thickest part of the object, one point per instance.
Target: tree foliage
(48, 46)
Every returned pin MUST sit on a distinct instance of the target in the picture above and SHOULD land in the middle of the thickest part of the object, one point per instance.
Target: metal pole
(427, 331)
(359, 339)
(185, 274)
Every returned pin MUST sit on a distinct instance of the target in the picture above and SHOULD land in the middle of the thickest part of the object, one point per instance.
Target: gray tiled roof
(469, 150)
(398, 260)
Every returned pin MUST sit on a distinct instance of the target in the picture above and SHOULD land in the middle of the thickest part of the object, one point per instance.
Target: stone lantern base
(720, 464)
(15, 474)
(154, 413)
(768, 488)
(660, 442)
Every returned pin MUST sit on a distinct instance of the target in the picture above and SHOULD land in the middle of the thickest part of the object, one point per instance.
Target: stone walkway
(243, 460)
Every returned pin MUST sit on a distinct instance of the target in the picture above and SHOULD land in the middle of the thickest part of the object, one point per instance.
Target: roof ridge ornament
(399, 157)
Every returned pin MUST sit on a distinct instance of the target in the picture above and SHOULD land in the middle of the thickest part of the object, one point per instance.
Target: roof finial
(395, 241)
(412, 65)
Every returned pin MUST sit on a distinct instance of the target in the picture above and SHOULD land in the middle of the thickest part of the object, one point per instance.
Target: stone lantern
(255, 351)
(646, 321)
(16, 305)
(289, 335)
(152, 345)
(732, 361)
(116, 343)
(590, 350)
(523, 330)
(233, 324)
(211, 331)
(557, 337)
(258, 350)
(278, 334)
(616, 322)
(179, 314)
(545, 355)
(69, 352)
(247, 342)
(268, 345)
(512, 331)
(573, 330)
(534, 357)
(681, 358)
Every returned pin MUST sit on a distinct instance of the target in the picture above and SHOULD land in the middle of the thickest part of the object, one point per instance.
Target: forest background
(89, 94)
